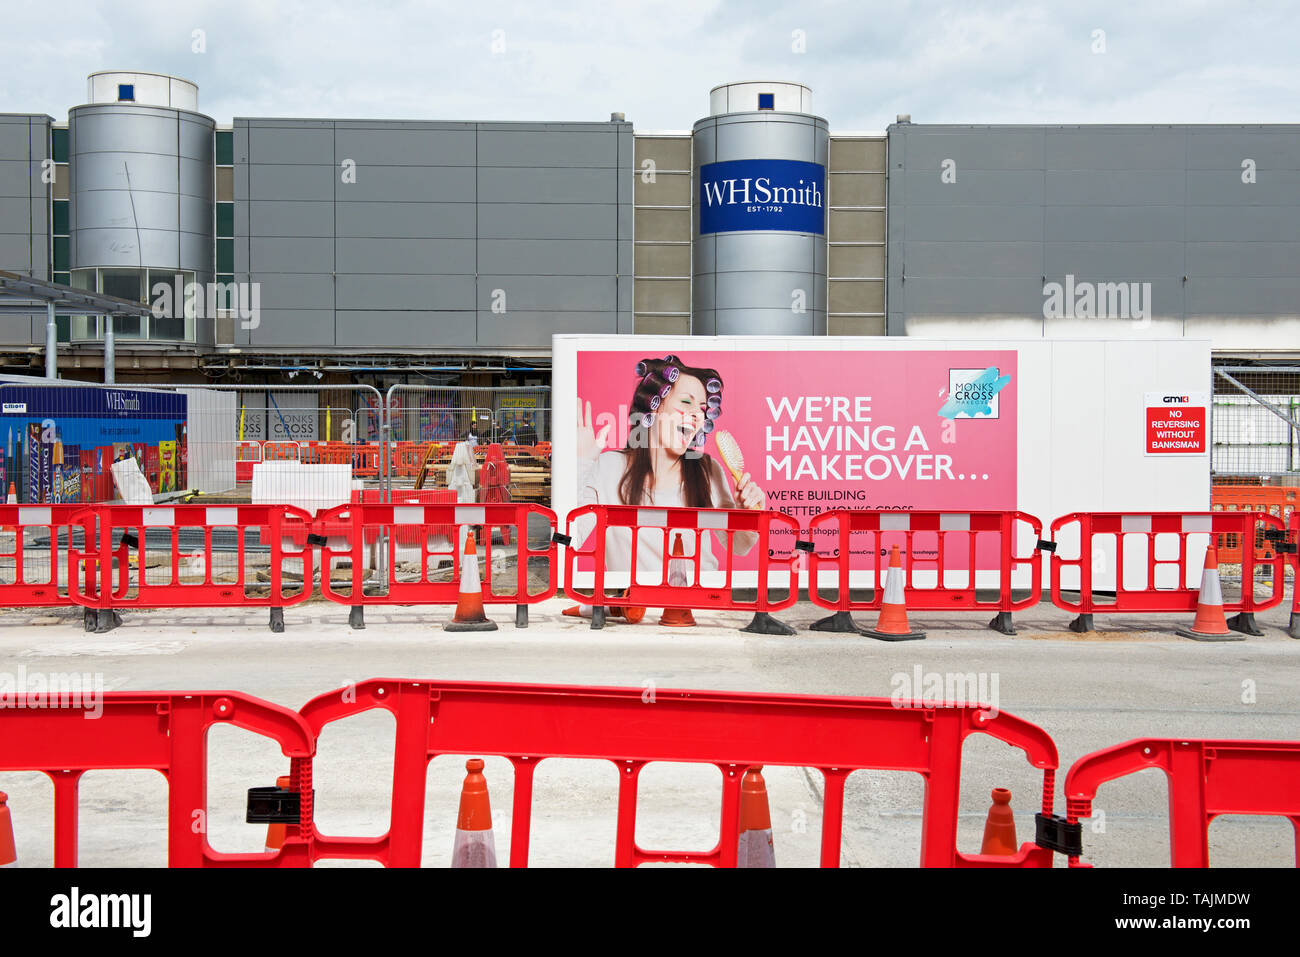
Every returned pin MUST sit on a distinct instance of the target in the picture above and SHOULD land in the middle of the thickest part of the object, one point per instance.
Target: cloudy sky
(1190, 61)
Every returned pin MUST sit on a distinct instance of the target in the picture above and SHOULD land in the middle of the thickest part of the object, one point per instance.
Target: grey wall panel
(1110, 260)
(1225, 188)
(1224, 148)
(1012, 149)
(292, 145)
(302, 183)
(974, 259)
(290, 327)
(16, 253)
(415, 184)
(533, 330)
(290, 219)
(405, 330)
(405, 256)
(528, 257)
(376, 220)
(545, 221)
(552, 185)
(975, 187)
(15, 179)
(126, 248)
(549, 293)
(539, 147)
(427, 293)
(148, 172)
(1116, 187)
(294, 291)
(1102, 223)
(1244, 260)
(383, 146)
(1244, 223)
(970, 223)
(1107, 148)
(291, 255)
(1257, 297)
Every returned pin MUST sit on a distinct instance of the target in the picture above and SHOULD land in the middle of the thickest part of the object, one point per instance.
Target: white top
(598, 485)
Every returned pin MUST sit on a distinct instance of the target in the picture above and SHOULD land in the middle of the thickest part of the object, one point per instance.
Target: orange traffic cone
(469, 604)
(13, 495)
(756, 848)
(892, 623)
(274, 830)
(8, 854)
(1000, 828)
(475, 846)
(628, 613)
(679, 575)
(1210, 624)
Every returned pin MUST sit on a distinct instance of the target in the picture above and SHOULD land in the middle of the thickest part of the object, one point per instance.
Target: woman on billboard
(674, 408)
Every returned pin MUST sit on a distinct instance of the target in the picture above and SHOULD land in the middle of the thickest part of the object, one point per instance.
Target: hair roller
(642, 368)
(713, 386)
(671, 373)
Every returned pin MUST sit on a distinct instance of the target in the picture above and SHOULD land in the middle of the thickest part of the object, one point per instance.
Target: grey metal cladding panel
(541, 257)
(1109, 260)
(1116, 187)
(626, 224)
(242, 218)
(705, 253)
(125, 247)
(1242, 224)
(768, 322)
(704, 143)
(308, 328)
(368, 329)
(15, 138)
(15, 178)
(241, 256)
(533, 330)
(293, 291)
(404, 147)
(969, 149)
(1254, 297)
(406, 256)
(285, 218)
(767, 290)
(291, 182)
(294, 146)
(974, 295)
(196, 215)
(547, 148)
(769, 139)
(117, 208)
(549, 293)
(108, 170)
(1109, 149)
(1243, 260)
(14, 211)
(438, 293)
(553, 185)
(112, 129)
(240, 138)
(974, 259)
(1116, 223)
(547, 221)
(406, 220)
(195, 140)
(16, 252)
(196, 252)
(1225, 188)
(283, 255)
(196, 178)
(1225, 149)
(759, 251)
(973, 223)
(976, 187)
(417, 184)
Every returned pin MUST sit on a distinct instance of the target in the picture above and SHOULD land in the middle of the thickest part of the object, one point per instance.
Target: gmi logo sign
(787, 195)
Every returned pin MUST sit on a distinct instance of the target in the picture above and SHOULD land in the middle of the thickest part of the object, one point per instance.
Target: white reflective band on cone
(469, 580)
(894, 586)
(474, 849)
(1211, 593)
(756, 849)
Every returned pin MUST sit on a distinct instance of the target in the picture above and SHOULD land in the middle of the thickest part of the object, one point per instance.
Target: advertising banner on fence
(801, 432)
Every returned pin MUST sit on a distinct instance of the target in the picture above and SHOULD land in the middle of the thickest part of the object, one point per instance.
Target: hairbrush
(732, 457)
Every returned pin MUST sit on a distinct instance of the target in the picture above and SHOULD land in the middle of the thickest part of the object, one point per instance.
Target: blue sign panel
(763, 194)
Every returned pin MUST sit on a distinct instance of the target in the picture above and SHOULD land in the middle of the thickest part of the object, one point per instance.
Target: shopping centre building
(371, 250)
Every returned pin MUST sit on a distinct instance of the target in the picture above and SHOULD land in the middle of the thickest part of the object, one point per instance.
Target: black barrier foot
(357, 618)
(90, 619)
(521, 616)
(277, 620)
(765, 624)
(890, 636)
(1002, 623)
(1244, 622)
(1294, 628)
(1082, 625)
(841, 621)
(597, 617)
(106, 620)
(1207, 636)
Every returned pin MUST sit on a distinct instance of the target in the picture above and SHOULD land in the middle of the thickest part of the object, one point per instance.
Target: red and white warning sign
(1178, 424)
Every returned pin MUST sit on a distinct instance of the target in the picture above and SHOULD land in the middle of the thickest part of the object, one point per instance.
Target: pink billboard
(798, 432)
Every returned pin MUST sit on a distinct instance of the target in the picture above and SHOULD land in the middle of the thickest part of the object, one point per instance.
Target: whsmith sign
(764, 194)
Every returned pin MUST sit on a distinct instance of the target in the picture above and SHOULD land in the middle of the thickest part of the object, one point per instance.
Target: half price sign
(1177, 423)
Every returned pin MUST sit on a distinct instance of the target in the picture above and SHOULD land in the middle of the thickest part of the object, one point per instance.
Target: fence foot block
(841, 621)
(765, 624)
(1294, 629)
(101, 621)
(1002, 623)
(890, 636)
(1200, 636)
(89, 619)
(1244, 622)
(597, 617)
(277, 620)
(521, 616)
(1082, 625)
(357, 617)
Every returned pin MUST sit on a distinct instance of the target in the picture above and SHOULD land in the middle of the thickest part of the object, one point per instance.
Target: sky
(1117, 61)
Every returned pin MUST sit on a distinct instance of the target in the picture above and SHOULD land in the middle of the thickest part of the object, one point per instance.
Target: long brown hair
(657, 378)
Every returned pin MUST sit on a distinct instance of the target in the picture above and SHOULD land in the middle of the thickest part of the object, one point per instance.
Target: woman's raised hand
(749, 495)
(590, 442)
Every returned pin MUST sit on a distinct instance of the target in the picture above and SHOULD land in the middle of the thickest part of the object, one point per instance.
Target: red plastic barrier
(247, 454)
(946, 550)
(677, 582)
(733, 731)
(1205, 778)
(161, 731)
(425, 526)
(406, 535)
(1179, 568)
(131, 537)
(35, 542)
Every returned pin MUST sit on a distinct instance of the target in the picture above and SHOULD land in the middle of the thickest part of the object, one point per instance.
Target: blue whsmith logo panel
(787, 195)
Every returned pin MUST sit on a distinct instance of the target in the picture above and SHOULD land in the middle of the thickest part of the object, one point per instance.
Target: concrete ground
(1133, 679)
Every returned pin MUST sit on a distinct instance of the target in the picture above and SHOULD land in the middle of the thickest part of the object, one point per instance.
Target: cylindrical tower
(141, 183)
(760, 213)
